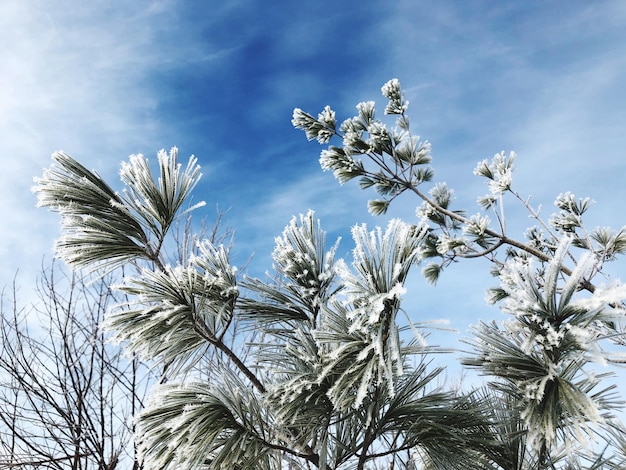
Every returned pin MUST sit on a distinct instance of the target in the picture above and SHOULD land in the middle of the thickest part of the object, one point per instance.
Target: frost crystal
(379, 136)
(446, 244)
(501, 183)
(498, 171)
(327, 116)
(321, 129)
(366, 111)
(391, 91)
(477, 225)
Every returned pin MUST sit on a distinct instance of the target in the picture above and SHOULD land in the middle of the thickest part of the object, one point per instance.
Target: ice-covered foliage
(369, 301)
(306, 368)
(313, 367)
(173, 312)
(366, 136)
(544, 353)
(103, 227)
(333, 347)
(346, 317)
(203, 425)
(562, 325)
(305, 271)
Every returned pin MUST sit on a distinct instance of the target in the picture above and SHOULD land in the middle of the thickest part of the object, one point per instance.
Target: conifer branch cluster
(313, 367)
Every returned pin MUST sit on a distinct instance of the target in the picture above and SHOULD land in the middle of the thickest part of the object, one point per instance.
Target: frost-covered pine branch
(334, 384)
(543, 356)
(546, 353)
(104, 227)
(313, 367)
(393, 161)
(339, 369)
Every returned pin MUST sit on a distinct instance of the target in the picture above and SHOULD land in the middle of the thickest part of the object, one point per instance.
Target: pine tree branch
(503, 239)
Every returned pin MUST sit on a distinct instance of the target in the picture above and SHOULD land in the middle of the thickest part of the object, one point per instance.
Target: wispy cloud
(543, 79)
(73, 78)
(102, 80)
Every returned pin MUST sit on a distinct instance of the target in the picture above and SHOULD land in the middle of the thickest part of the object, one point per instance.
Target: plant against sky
(308, 368)
(67, 396)
(544, 357)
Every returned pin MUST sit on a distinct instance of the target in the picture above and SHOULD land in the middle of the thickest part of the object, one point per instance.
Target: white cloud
(73, 78)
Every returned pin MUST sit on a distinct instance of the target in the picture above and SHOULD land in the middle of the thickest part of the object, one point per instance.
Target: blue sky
(102, 80)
